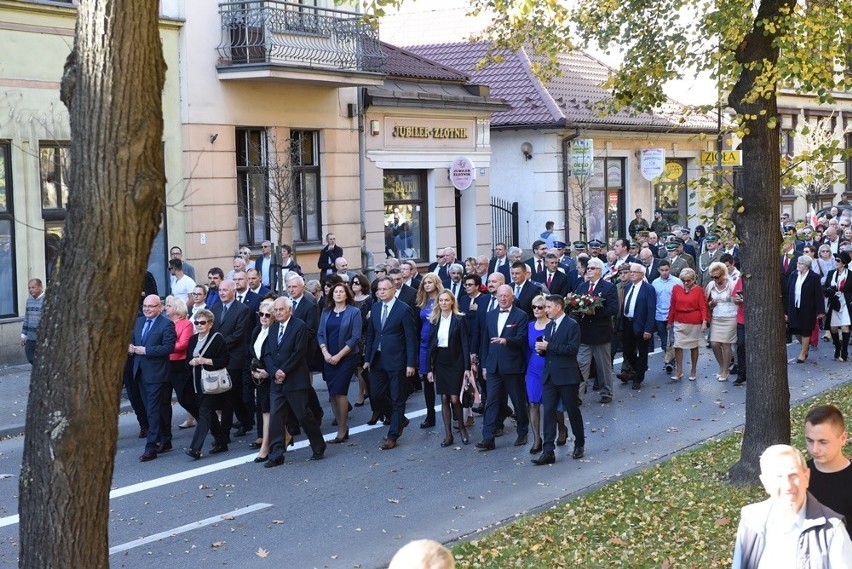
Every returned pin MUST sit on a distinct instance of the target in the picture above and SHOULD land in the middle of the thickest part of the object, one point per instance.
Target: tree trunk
(767, 419)
(112, 87)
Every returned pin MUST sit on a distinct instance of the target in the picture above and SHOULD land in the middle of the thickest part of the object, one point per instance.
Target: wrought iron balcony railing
(273, 32)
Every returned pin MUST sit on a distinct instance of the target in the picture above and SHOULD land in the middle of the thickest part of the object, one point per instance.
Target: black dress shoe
(485, 445)
(216, 449)
(317, 456)
(148, 455)
(164, 447)
(375, 418)
(606, 399)
(479, 409)
(578, 452)
(195, 454)
(521, 441)
(545, 458)
(427, 424)
(261, 458)
(740, 380)
(273, 462)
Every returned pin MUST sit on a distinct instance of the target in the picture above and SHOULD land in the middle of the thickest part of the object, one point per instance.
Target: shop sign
(729, 158)
(582, 157)
(652, 162)
(462, 173)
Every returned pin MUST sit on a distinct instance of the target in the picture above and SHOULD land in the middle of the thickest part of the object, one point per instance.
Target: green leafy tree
(749, 49)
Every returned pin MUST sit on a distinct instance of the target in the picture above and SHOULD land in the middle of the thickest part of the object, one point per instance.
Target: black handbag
(467, 396)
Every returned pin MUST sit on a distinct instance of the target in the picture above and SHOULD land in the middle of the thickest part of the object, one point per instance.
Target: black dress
(449, 364)
(208, 421)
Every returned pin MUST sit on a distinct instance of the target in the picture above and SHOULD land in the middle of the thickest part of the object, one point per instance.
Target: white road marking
(188, 527)
(216, 467)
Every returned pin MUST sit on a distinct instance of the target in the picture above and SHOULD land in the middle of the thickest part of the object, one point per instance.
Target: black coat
(811, 303)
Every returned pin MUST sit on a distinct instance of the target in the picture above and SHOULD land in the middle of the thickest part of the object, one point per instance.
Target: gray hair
(805, 260)
(293, 275)
(456, 267)
(595, 263)
(514, 250)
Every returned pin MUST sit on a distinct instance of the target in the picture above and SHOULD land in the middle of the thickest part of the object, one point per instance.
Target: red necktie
(591, 287)
(786, 263)
(540, 269)
(549, 279)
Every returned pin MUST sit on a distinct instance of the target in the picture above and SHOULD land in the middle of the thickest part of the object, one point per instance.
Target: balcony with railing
(292, 42)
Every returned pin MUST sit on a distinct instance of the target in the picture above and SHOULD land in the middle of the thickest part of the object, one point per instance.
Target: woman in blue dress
(427, 294)
(535, 367)
(339, 337)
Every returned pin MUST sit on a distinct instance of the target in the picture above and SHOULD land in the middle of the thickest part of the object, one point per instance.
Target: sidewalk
(14, 392)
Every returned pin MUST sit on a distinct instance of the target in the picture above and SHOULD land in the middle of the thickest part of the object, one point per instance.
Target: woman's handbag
(216, 381)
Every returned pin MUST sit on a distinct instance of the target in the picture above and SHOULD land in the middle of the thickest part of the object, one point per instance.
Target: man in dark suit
(390, 356)
(454, 283)
(502, 354)
(596, 330)
(536, 262)
(266, 266)
(560, 378)
(555, 280)
(637, 323)
(244, 295)
(304, 307)
(404, 292)
(500, 262)
(410, 276)
(524, 291)
(290, 382)
(154, 339)
(650, 263)
(234, 321)
(253, 278)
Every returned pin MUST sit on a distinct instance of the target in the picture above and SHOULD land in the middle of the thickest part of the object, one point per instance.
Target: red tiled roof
(567, 100)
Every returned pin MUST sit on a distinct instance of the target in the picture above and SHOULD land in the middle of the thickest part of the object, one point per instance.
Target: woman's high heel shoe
(337, 440)
(261, 458)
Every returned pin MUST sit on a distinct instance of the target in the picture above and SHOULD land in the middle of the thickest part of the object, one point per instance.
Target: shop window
(252, 186)
(406, 227)
(305, 158)
(9, 298)
(670, 192)
(606, 200)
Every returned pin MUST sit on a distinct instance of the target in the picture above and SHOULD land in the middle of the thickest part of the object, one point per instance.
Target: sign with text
(582, 157)
(652, 162)
(425, 132)
(729, 158)
(462, 173)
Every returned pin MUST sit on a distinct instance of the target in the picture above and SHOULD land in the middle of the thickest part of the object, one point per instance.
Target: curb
(16, 430)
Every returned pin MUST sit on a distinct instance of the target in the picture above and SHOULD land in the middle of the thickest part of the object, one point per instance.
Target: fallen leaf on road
(617, 541)
(217, 544)
(277, 521)
(722, 522)
(261, 552)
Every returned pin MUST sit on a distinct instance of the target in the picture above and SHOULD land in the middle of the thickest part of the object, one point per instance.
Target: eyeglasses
(716, 276)
(264, 314)
(201, 322)
(264, 246)
(469, 284)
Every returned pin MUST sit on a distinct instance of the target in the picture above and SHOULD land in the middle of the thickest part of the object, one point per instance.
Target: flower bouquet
(583, 304)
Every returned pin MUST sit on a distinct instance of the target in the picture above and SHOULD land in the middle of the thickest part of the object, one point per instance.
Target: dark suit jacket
(504, 269)
(350, 328)
(652, 275)
(558, 284)
(461, 291)
(398, 337)
(644, 310)
(251, 300)
(528, 293)
(235, 326)
(159, 343)
(474, 311)
(289, 355)
(560, 360)
(533, 264)
(458, 344)
(308, 312)
(597, 328)
(408, 295)
(271, 266)
(511, 358)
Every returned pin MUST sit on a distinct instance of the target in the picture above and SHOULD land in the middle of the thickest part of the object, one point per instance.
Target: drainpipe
(566, 188)
(366, 255)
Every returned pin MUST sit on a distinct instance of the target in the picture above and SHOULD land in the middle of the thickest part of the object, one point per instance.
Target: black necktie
(627, 302)
(505, 311)
(540, 269)
(492, 304)
(240, 298)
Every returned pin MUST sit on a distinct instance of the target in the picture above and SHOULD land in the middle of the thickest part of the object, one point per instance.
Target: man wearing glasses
(596, 330)
(177, 253)
(154, 339)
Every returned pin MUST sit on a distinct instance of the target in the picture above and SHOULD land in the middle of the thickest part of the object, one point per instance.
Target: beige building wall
(215, 105)
(38, 38)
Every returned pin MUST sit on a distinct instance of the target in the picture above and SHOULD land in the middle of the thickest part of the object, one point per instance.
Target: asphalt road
(358, 506)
